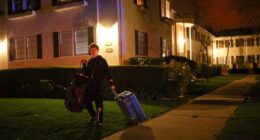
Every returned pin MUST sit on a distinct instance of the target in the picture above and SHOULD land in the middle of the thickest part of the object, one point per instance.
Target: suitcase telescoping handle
(115, 94)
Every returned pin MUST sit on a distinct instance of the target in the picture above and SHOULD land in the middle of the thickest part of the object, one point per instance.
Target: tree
(198, 13)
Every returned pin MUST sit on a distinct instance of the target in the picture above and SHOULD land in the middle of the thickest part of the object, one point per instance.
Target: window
(73, 42)
(220, 60)
(231, 42)
(239, 42)
(251, 58)
(21, 6)
(141, 43)
(187, 32)
(165, 47)
(166, 11)
(65, 43)
(250, 42)
(258, 58)
(29, 47)
(232, 60)
(81, 41)
(240, 59)
(220, 44)
(64, 2)
(227, 43)
(19, 49)
(141, 3)
(31, 42)
(258, 41)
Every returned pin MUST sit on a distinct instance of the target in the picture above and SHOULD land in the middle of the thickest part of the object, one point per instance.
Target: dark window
(250, 42)
(232, 60)
(141, 43)
(258, 41)
(231, 42)
(251, 58)
(21, 6)
(258, 58)
(240, 59)
(64, 2)
(239, 42)
(187, 32)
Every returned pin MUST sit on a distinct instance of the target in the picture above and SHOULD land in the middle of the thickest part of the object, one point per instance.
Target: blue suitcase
(131, 108)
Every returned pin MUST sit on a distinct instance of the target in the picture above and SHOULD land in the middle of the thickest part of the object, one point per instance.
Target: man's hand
(83, 61)
(113, 88)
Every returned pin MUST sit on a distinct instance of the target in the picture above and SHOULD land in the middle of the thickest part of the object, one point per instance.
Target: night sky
(223, 14)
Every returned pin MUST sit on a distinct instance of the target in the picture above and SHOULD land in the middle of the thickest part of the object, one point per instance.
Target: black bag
(74, 100)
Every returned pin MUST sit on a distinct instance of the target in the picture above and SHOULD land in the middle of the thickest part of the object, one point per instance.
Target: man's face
(93, 52)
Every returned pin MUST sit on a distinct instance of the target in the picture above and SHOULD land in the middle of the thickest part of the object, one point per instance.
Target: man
(97, 70)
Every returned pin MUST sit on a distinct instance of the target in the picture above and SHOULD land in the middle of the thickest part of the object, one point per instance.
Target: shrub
(192, 64)
(145, 61)
(146, 81)
(181, 75)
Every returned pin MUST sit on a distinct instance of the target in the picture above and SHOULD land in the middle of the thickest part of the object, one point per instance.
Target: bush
(192, 64)
(239, 71)
(180, 75)
(146, 81)
(145, 61)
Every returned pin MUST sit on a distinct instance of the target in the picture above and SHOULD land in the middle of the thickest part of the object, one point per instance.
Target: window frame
(167, 48)
(13, 48)
(144, 43)
(27, 6)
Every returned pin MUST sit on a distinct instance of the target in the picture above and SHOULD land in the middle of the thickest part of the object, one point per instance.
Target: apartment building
(192, 42)
(47, 33)
(241, 49)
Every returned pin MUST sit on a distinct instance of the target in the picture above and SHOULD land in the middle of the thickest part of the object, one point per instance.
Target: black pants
(95, 95)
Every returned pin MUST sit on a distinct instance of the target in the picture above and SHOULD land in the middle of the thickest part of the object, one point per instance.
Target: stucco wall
(147, 21)
(47, 21)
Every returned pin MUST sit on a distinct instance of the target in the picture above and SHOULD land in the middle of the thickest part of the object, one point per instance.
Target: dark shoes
(99, 124)
(94, 121)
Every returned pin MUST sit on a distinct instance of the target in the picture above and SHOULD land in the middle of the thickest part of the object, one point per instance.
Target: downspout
(120, 43)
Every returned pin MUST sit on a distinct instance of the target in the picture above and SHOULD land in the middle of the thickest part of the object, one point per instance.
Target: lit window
(29, 47)
(73, 42)
(140, 2)
(19, 49)
(166, 11)
(65, 43)
(165, 47)
(81, 42)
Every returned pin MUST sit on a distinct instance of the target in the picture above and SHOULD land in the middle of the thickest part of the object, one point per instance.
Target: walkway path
(201, 119)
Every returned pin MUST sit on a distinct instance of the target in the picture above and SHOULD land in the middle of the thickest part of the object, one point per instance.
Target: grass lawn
(47, 119)
(246, 125)
(201, 86)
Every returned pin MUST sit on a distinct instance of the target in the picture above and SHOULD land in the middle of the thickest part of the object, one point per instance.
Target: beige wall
(3, 38)
(147, 21)
(237, 51)
(45, 22)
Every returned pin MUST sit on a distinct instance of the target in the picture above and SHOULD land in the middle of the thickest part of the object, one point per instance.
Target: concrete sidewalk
(200, 119)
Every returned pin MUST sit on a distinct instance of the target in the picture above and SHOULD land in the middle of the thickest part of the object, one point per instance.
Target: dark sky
(223, 14)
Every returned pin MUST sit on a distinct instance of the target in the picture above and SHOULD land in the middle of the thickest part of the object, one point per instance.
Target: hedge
(147, 81)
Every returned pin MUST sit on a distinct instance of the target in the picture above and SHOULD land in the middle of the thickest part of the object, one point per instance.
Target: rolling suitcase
(130, 106)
